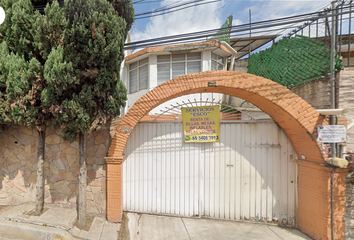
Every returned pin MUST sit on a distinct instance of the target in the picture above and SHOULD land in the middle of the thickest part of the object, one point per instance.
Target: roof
(178, 48)
(242, 45)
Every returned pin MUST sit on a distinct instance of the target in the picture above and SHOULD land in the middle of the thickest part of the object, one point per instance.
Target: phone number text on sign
(201, 124)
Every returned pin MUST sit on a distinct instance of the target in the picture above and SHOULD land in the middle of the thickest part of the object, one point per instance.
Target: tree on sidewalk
(22, 64)
(87, 97)
(63, 66)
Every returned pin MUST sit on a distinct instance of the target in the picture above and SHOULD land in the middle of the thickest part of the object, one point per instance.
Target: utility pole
(249, 46)
(332, 70)
(333, 102)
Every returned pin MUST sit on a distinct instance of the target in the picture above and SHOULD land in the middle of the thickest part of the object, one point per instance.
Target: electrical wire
(241, 26)
(202, 35)
(155, 15)
(139, 1)
(234, 31)
(168, 7)
(317, 11)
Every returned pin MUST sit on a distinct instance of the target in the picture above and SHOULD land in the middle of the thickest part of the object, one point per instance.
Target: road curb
(28, 231)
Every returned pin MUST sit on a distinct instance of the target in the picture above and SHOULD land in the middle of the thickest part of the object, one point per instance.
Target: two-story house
(149, 67)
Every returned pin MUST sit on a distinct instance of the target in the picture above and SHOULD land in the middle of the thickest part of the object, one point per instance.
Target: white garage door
(249, 175)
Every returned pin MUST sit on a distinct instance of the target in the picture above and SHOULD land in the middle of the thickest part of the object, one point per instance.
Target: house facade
(244, 177)
(152, 66)
(161, 174)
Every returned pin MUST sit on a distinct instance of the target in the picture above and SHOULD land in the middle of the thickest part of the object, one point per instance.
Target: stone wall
(18, 151)
(316, 93)
(346, 100)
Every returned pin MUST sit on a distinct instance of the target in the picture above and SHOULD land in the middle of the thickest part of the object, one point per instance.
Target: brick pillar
(314, 200)
(114, 188)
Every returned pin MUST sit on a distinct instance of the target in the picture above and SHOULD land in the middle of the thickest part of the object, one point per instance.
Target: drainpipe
(333, 104)
(233, 54)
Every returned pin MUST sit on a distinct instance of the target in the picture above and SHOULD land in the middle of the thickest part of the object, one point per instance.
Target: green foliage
(18, 28)
(20, 67)
(4, 107)
(93, 43)
(49, 29)
(124, 9)
(227, 109)
(19, 77)
(63, 65)
(224, 32)
(293, 61)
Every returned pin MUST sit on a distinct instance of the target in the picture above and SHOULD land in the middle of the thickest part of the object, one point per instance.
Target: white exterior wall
(153, 71)
(133, 97)
(206, 58)
(124, 77)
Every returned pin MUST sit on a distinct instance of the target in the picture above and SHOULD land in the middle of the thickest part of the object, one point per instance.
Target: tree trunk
(82, 182)
(40, 173)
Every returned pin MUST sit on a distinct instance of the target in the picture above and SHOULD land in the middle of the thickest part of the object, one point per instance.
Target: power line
(167, 10)
(162, 11)
(235, 30)
(212, 32)
(203, 3)
(168, 7)
(202, 35)
(317, 11)
(139, 1)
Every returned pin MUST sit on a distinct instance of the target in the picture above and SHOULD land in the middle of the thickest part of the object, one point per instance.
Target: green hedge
(293, 61)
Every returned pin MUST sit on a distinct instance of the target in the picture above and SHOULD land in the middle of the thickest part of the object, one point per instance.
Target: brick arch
(295, 116)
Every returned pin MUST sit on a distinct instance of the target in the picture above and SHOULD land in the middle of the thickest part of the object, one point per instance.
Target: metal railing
(314, 25)
(321, 29)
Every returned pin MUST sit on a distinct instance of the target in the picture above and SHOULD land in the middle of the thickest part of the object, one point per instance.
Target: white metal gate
(249, 175)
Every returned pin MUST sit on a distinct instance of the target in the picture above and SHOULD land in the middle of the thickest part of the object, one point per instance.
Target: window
(139, 76)
(175, 65)
(217, 62)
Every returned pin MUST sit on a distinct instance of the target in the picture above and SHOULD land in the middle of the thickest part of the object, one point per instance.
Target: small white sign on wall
(331, 133)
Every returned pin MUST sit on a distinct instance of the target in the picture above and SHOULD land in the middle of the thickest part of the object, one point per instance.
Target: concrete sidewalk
(152, 227)
(18, 222)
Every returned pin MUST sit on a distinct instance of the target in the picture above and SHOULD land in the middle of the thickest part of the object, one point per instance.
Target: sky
(213, 15)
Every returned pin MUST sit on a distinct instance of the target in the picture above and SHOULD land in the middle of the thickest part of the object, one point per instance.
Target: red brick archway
(295, 116)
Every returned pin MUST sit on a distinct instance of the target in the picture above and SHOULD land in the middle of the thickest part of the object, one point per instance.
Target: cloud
(236, 22)
(264, 10)
(212, 16)
(198, 18)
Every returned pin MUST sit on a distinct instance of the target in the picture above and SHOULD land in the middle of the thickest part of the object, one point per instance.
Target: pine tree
(4, 106)
(21, 68)
(93, 43)
(63, 66)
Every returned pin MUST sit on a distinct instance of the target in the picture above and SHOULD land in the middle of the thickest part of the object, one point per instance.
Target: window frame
(171, 62)
(138, 67)
(223, 64)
